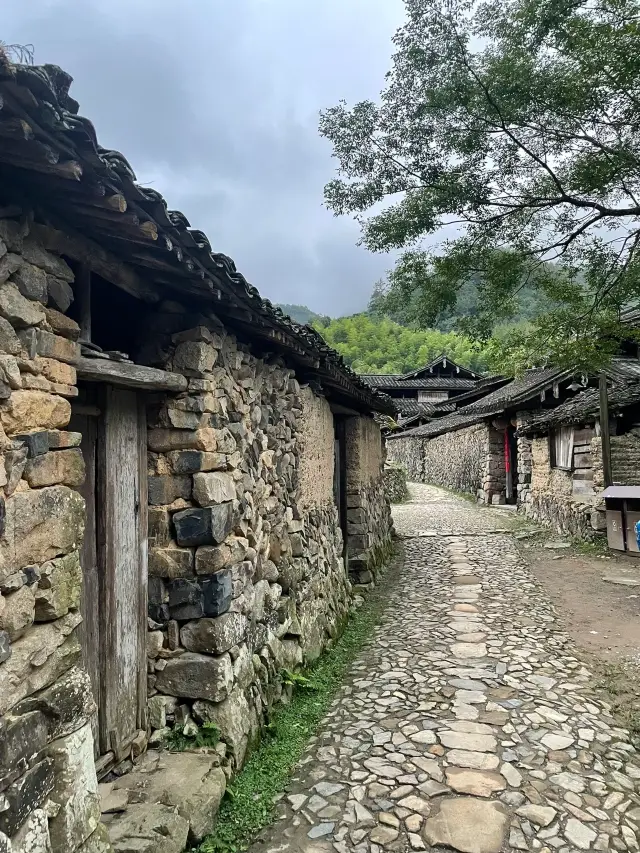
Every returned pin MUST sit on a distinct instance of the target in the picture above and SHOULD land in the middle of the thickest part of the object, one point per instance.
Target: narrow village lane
(469, 722)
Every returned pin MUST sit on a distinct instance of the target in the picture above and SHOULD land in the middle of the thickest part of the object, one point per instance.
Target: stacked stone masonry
(467, 460)
(48, 787)
(568, 500)
(369, 525)
(245, 549)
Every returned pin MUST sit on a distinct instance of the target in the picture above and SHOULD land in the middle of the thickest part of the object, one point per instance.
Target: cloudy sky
(215, 104)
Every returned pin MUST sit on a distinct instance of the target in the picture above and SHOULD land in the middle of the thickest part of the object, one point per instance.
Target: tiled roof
(436, 361)
(399, 383)
(413, 407)
(630, 315)
(56, 161)
(517, 392)
(481, 388)
(520, 390)
(624, 370)
(584, 406)
(438, 426)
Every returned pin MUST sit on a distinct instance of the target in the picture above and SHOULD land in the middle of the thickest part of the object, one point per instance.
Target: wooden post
(604, 432)
(83, 295)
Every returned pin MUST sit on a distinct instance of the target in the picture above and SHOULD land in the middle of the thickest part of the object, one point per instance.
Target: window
(561, 440)
(429, 396)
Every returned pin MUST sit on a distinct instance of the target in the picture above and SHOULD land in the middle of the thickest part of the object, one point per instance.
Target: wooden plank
(143, 574)
(98, 259)
(604, 431)
(71, 170)
(83, 295)
(89, 630)
(120, 610)
(130, 375)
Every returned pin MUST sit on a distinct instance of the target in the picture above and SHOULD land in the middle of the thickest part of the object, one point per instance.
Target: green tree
(511, 127)
(378, 345)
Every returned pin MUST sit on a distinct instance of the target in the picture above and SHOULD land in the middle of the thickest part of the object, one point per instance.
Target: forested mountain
(301, 314)
(378, 345)
(383, 303)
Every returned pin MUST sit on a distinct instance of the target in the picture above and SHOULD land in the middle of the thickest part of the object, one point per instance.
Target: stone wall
(465, 460)
(524, 458)
(409, 454)
(456, 460)
(48, 786)
(245, 560)
(395, 483)
(563, 500)
(369, 525)
(625, 457)
(246, 570)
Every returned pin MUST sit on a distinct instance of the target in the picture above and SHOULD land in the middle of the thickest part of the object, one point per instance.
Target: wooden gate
(114, 563)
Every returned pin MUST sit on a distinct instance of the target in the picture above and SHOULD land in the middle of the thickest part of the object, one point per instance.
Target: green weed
(207, 735)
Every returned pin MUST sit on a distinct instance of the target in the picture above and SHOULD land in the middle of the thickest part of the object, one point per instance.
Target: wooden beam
(128, 375)
(604, 431)
(98, 260)
(16, 128)
(83, 295)
(71, 170)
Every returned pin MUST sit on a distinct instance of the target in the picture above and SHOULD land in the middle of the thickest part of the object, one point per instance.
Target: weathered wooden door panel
(121, 482)
(89, 630)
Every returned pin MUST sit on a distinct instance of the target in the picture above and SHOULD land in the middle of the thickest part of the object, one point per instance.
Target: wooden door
(122, 560)
(114, 564)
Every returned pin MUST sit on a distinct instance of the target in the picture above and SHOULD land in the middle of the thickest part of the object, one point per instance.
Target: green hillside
(378, 345)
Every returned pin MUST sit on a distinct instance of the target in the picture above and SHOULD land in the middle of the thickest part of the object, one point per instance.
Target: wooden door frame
(111, 748)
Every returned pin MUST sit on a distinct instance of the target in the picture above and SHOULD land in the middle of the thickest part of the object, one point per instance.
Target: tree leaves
(511, 130)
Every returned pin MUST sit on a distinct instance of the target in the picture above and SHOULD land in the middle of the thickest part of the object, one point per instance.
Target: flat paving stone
(470, 722)
(468, 825)
(477, 782)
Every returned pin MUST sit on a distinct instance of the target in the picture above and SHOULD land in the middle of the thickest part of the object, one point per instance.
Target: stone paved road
(469, 722)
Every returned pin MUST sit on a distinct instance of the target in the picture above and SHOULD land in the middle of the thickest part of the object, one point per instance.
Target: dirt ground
(603, 618)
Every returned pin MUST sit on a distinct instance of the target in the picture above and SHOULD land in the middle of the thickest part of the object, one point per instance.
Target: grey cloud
(215, 104)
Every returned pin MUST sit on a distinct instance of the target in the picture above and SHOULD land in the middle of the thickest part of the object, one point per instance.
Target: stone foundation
(563, 500)
(567, 501)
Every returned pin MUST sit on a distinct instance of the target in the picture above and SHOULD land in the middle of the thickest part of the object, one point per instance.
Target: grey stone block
(217, 592)
(21, 739)
(206, 526)
(165, 489)
(25, 795)
(66, 706)
(37, 442)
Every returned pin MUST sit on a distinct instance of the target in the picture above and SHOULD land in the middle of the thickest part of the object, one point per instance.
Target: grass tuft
(249, 804)
(182, 738)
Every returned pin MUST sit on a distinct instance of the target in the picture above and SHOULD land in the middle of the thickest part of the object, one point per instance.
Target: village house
(190, 485)
(535, 442)
(564, 449)
(426, 392)
(476, 449)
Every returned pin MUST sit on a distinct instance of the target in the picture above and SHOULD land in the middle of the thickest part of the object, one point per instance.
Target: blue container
(638, 534)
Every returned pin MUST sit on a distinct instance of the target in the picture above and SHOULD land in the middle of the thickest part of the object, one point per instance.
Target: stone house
(427, 392)
(190, 483)
(476, 449)
(564, 453)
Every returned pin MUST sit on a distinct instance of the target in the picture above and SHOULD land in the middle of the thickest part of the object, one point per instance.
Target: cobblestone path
(469, 723)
